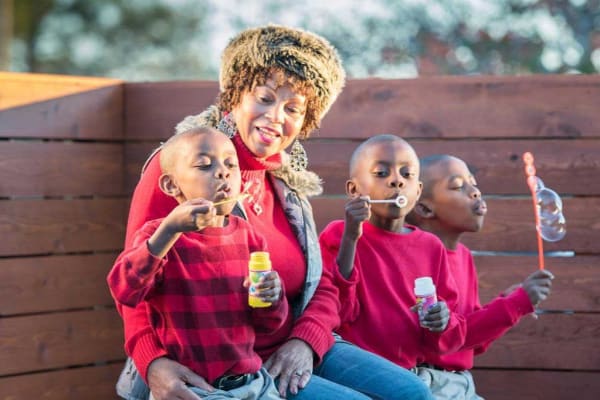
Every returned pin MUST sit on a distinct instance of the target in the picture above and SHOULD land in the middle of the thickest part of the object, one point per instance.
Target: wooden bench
(72, 149)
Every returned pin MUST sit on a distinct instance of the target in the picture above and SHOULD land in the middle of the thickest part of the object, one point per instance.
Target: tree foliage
(162, 39)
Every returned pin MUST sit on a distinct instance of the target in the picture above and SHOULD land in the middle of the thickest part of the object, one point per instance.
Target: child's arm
(193, 215)
(357, 211)
(494, 319)
(136, 270)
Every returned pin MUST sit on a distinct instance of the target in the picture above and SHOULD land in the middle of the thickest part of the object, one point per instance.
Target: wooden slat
(576, 285)
(40, 284)
(471, 107)
(153, 109)
(41, 342)
(568, 167)
(535, 106)
(537, 385)
(95, 114)
(553, 341)
(17, 89)
(93, 383)
(509, 225)
(135, 157)
(29, 227)
(60, 168)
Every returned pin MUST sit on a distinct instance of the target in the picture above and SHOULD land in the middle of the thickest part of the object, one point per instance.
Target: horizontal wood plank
(92, 115)
(41, 284)
(467, 107)
(93, 383)
(552, 341)
(537, 385)
(17, 89)
(509, 225)
(568, 167)
(60, 168)
(49, 341)
(153, 109)
(576, 286)
(30, 227)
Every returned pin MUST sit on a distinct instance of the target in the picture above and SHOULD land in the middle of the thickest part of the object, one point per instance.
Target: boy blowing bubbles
(375, 259)
(451, 205)
(191, 268)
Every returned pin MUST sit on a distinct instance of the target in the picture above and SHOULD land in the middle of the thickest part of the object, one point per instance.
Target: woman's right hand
(168, 379)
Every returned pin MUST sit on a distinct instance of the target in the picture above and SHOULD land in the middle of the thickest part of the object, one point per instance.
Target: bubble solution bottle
(425, 294)
(259, 265)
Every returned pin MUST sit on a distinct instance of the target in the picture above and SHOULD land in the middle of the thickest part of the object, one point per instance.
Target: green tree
(135, 39)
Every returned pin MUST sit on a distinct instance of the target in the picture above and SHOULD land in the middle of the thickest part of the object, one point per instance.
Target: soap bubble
(552, 224)
(553, 229)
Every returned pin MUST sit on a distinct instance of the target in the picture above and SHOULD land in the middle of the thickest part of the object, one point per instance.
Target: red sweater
(318, 320)
(484, 325)
(195, 297)
(377, 298)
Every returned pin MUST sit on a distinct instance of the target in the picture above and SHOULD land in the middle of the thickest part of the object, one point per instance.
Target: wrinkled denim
(347, 367)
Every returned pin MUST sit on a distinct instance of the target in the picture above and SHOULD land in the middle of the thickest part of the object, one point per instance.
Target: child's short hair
(426, 163)
(169, 150)
(364, 146)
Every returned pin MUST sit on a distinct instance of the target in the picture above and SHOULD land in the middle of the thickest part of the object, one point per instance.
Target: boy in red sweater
(375, 259)
(190, 268)
(451, 205)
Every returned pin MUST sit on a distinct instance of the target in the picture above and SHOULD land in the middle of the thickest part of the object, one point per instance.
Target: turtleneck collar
(248, 161)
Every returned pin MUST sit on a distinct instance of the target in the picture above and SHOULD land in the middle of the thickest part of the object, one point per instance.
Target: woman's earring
(298, 159)
(227, 125)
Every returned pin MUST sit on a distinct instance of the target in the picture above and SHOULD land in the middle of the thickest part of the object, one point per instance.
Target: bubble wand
(547, 209)
(532, 183)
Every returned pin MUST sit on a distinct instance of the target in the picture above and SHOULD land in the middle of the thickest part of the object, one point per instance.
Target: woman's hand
(168, 380)
(293, 364)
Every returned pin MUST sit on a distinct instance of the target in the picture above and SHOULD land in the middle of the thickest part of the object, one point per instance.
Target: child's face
(207, 167)
(384, 171)
(455, 199)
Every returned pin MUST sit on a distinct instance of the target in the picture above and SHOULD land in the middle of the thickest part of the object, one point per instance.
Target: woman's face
(270, 117)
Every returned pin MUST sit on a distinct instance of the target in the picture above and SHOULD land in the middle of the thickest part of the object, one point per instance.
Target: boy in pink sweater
(451, 205)
(375, 258)
(189, 269)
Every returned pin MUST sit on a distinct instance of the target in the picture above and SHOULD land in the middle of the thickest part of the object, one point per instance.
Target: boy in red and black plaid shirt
(190, 270)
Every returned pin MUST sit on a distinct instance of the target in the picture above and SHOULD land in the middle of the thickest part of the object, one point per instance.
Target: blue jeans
(348, 372)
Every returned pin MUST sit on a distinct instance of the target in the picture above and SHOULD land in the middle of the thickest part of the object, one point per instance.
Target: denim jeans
(346, 366)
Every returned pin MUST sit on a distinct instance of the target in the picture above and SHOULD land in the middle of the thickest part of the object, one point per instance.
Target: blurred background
(147, 40)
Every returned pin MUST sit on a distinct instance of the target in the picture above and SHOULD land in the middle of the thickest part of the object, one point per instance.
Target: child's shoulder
(335, 227)
(426, 238)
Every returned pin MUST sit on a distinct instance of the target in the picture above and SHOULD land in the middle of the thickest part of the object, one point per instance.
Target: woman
(276, 84)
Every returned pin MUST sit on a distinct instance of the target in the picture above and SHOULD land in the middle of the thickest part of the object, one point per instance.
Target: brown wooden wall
(69, 164)
(63, 204)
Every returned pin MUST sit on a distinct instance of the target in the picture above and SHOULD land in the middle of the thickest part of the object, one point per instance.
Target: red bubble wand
(532, 183)
(547, 208)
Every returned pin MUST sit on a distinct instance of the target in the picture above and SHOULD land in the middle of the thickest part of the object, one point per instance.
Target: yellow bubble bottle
(259, 265)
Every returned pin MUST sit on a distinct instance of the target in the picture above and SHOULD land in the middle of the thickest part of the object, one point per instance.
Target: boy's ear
(168, 185)
(424, 209)
(351, 188)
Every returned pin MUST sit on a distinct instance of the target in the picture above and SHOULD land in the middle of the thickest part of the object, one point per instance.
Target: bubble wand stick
(532, 183)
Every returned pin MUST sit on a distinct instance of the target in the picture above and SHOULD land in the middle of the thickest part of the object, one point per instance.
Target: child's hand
(192, 215)
(268, 288)
(538, 286)
(357, 211)
(437, 317)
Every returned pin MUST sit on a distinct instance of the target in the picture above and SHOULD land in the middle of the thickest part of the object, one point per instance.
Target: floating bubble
(553, 227)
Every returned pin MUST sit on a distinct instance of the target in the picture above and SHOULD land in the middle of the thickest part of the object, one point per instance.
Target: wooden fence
(70, 155)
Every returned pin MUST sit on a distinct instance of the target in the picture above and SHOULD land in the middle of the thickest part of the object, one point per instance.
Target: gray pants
(446, 385)
(260, 388)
